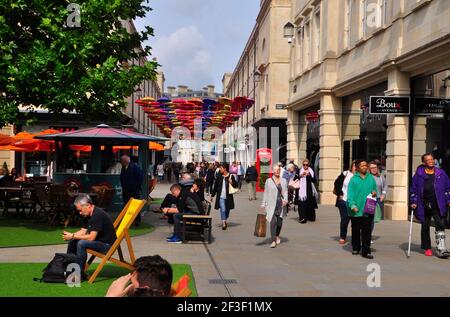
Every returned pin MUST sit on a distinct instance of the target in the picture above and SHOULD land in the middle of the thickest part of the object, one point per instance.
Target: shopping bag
(260, 226)
(294, 184)
(370, 206)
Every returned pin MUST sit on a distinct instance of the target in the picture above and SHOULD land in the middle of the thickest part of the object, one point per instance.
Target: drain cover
(221, 281)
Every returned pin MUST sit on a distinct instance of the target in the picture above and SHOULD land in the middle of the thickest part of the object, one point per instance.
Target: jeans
(78, 247)
(439, 226)
(210, 186)
(345, 218)
(361, 234)
(239, 181)
(251, 189)
(224, 212)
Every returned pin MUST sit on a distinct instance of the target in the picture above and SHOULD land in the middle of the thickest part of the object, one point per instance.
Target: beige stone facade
(261, 73)
(345, 51)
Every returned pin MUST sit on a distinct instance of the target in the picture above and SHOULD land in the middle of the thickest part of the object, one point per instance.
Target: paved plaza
(309, 262)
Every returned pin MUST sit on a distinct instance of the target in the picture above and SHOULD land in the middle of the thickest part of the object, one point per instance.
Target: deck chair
(122, 226)
(181, 287)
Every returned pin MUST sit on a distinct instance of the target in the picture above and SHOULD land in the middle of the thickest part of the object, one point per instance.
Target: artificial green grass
(16, 232)
(17, 281)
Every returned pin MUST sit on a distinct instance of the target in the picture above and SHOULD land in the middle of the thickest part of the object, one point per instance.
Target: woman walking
(307, 196)
(381, 191)
(274, 202)
(224, 200)
(210, 178)
(361, 185)
(430, 196)
(341, 191)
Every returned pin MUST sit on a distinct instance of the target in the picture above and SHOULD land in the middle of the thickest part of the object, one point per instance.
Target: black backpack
(56, 271)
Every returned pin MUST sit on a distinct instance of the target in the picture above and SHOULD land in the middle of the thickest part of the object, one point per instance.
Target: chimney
(171, 90)
(211, 90)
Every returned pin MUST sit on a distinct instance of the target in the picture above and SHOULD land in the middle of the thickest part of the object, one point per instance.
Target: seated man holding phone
(97, 233)
(186, 203)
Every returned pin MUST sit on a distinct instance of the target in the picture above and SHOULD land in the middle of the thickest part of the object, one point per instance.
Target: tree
(45, 62)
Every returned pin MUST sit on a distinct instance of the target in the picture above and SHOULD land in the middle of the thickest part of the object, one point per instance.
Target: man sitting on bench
(187, 203)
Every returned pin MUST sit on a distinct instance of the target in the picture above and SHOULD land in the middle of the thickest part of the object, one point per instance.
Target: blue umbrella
(164, 100)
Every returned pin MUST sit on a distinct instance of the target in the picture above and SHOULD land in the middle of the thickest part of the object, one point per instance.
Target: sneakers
(175, 240)
(278, 241)
(355, 252)
(170, 237)
(429, 252)
(368, 256)
(341, 241)
(273, 245)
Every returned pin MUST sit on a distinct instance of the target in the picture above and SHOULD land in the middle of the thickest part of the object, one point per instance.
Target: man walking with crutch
(430, 196)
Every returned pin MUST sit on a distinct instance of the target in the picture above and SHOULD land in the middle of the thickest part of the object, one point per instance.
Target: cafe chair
(122, 226)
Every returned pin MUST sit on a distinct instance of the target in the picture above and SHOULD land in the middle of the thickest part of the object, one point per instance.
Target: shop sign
(390, 105)
(312, 116)
(431, 106)
(280, 107)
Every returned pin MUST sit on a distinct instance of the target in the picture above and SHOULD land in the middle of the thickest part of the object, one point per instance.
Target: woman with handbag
(293, 185)
(341, 190)
(382, 191)
(225, 186)
(274, 203)
(307, 195)
(360, 187)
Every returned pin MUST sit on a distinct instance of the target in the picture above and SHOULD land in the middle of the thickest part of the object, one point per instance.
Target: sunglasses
(305, 164)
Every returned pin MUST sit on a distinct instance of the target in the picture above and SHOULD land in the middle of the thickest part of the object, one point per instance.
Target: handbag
(370, 206)
(294, 184)
(260, 226)
(232, 190)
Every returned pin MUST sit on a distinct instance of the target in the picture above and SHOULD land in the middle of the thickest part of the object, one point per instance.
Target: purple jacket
(441, 187)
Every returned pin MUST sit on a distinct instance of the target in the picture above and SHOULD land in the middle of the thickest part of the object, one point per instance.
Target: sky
(197, 41)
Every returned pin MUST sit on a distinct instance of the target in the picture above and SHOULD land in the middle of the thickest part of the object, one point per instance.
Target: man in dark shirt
(97, 232)
(187, 203)
(131, 178)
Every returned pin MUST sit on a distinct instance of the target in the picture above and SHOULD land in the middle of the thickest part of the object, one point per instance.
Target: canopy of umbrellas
(169, 114)
(25, 142)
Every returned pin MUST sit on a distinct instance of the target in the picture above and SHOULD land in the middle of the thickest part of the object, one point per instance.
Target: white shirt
(348, 177)
(223, 194)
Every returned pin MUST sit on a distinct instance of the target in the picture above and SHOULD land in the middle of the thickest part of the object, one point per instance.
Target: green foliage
(44, 62)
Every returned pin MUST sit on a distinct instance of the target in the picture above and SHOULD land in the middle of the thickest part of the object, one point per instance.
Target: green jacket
(358, 189)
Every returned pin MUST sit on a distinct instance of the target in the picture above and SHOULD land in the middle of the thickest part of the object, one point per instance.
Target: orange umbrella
(5, 140)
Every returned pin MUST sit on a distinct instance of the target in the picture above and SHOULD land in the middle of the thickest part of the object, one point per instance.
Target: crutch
(410, 233)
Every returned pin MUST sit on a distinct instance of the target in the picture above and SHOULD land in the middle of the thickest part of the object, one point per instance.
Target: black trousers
(345, 219)
(210, 186)
(239, 181)
(362, 233)
(177, 223)
(306, 211)
(127, 195)
(275, 226)
(439, 223)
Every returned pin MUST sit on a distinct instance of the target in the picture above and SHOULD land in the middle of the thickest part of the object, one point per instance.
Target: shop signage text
(431, 106)
(390, 105)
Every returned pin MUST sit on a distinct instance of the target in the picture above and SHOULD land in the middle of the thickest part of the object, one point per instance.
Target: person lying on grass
(151, 278)
(97, 233)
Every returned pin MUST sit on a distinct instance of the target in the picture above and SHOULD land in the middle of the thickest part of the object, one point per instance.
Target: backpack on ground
(56, 271)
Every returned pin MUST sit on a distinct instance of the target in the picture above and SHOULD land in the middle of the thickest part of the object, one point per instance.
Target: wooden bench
(198, 224)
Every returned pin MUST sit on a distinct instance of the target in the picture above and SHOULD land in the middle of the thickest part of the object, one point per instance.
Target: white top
(348, 177)
(223, 194)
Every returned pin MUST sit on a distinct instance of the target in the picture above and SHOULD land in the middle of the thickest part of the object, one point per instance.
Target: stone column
(303, 137)
(330, 146)
(419, 142)
(292, 135)
(351, 124)
(397, 151)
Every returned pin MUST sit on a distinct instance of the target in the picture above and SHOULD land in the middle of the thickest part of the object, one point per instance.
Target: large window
(316, 52)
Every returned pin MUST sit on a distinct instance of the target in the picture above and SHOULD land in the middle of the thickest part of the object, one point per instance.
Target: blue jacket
(131, 178)
(441, 187)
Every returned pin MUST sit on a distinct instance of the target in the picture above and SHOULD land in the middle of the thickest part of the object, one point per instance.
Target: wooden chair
(181, 287)
(122, 226)
(198, 223)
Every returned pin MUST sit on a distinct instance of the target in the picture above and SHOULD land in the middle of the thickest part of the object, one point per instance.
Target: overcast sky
(197, 41)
